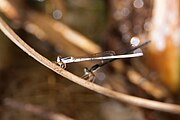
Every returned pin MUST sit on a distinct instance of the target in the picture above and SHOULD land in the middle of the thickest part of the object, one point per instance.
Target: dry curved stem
(36, 110)
(9, 10)
(142, 82)
(166, 107)
(71, 36)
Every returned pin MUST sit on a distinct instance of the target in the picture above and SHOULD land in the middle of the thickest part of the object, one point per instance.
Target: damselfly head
(88, 75)
(60, 63)
(86, 70)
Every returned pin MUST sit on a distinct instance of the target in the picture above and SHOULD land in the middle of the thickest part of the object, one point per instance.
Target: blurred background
(28, 90)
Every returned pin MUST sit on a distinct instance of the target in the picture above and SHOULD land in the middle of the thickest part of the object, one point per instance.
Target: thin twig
(64, 31)
(166, 107)
(50, 29)
(144, 84)
(34, 110)
(9, 10)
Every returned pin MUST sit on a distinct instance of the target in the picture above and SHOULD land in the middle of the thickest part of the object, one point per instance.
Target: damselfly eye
(86, 70)
(60, 63)
(58, 59)
(63, 65)
(134, 41)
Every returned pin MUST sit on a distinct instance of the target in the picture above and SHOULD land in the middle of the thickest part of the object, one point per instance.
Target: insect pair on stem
(105, 58)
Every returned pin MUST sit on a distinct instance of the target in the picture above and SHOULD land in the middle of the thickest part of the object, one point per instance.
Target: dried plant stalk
(143, 83)
(34, 110)
(67, 33)
(9, 10)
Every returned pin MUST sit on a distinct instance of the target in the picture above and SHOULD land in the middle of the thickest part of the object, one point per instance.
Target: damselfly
(107, 55)
(135, 48)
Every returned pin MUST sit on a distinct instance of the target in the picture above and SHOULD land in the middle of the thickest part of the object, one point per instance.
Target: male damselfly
(107, 55)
